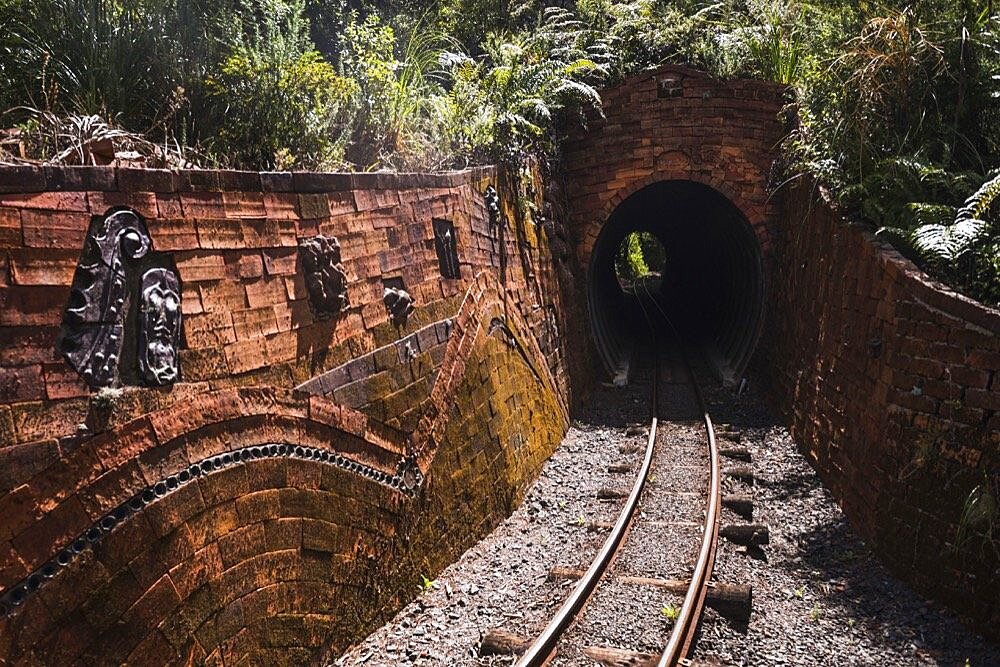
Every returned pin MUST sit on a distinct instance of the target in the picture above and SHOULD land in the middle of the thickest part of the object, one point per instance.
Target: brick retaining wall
(230, 516)
(891, 383)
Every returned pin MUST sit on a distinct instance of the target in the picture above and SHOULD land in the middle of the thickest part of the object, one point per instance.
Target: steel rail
(541, 649)
(686, 625)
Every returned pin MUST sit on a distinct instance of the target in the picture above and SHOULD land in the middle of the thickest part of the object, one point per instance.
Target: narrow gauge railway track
(679, 644)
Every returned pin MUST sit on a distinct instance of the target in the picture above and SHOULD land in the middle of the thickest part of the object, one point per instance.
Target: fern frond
(932, 214)
(979, 203)
(947, 242)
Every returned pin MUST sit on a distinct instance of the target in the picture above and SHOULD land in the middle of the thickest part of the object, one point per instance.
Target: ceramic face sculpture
(159, 327)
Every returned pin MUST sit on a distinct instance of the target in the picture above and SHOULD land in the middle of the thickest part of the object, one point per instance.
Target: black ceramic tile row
(406, 481)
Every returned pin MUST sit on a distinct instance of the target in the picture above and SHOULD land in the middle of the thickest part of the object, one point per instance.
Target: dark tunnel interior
(712, 284)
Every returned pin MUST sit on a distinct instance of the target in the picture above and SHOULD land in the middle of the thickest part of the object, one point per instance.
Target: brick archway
(676, 124)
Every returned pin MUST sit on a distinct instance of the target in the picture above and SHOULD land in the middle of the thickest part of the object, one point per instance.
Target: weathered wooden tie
(734, 601)
(735, 453)
(502, 642)
(746, 534)
(617, 657)
(742, 474)
(740, 503)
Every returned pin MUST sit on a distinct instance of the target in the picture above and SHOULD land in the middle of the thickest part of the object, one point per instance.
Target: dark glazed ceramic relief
(447, 248)
(324, 275)
(399, 305)
(101, 329)
(159, 327)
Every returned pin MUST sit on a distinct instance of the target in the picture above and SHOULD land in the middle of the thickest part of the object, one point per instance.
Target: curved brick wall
(288, 492)
(891, 383)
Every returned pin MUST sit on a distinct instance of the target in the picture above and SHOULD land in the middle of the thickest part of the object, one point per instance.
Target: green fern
(946, 242)
(978, 205)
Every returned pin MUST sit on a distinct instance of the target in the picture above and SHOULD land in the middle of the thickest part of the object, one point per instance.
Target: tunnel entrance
(712, 281)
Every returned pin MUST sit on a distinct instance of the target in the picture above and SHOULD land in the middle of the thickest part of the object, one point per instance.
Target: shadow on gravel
(854, 582)
(792, 485)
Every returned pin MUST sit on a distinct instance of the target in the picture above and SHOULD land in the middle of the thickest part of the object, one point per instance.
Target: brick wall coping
(932, 292)
(30, 178)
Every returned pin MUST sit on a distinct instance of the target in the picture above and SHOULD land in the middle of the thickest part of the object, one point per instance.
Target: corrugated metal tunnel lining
(713, 282)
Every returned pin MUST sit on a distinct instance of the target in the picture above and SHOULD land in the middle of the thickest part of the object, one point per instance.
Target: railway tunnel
(712, 286)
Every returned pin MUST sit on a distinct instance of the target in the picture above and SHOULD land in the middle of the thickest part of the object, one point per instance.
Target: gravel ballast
(819, 597)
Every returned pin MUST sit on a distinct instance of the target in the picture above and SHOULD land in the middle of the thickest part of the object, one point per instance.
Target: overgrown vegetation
(898, 100)
(640, 254)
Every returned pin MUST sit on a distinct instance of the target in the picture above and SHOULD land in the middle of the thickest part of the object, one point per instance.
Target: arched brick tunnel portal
(713, 281)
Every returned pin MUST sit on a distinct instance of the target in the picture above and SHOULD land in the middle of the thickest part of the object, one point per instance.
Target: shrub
(279, 110)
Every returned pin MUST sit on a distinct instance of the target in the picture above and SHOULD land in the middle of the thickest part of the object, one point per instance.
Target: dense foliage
(639, 254)
(898, 100)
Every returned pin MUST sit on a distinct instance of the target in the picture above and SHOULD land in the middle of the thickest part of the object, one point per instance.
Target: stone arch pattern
(255, 557)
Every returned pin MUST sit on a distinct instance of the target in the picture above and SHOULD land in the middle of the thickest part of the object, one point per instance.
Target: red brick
(209, 329)
(981, 398)
(250, 266)
(124, 444)
(51, 201)
(223, 296)
(153, 649)
(101, 203)
(254, 323)
(968, 377)
(10, 228)
(55, 530)
(265, 292)
(241, 544)
(280, 262)
(267, 233)
(984, 360)
(200, 266)
(43, 267)
(168, 206)
(32, 306)
(111, 489)
(155, 604)
(173, 233)
(202, 205)
(193, 414)
(281, 205)
(244, 204)
(215, 234)
(190, 574)
(61, 381)
(21, 384)
(50, 229)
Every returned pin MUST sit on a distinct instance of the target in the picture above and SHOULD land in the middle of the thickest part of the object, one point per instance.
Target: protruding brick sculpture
(159, 327)
(399, 304)
(325, 277)
(100, 313)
